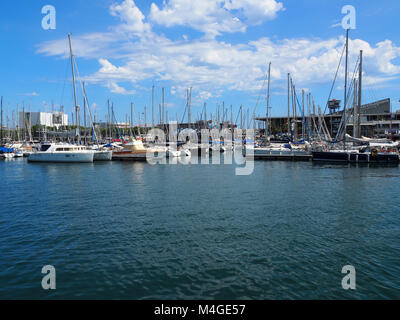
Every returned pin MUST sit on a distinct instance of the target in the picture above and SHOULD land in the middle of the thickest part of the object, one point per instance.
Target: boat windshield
(45, 147)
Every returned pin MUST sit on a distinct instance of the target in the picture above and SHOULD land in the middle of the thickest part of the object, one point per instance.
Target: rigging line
(350, 94)
(357, 66)
(184, 113)
(302, 114)
(334, 81)
(65, 80)
(237, 117)
(87, 103)
(259, 96)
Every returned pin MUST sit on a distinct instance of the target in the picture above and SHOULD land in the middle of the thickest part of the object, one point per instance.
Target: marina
(200, 150)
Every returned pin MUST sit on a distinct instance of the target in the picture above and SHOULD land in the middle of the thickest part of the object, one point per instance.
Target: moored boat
(51, 152)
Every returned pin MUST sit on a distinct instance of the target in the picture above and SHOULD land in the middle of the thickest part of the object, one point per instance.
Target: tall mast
(74, 85)
(189, 94)
(231, 117)
(152, 107)
(131, 116)
(205, 115)
(84, 110)
(303, 132)
(359, 95)
(109, 120)
(163, 107)
(345, 87)
(159, 113)
(355, 110)
(241, 117)
(288, 104)
(17, 122)
(268, 96)
(24, 121)
(295, 113)
(145, 119)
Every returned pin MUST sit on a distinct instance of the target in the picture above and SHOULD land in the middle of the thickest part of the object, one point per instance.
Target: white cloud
(211, 66)
(131, 16)
(214, 17)
(115, 88)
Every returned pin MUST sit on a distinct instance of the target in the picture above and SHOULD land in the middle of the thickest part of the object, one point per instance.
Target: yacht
(52, 152)
(135, 150)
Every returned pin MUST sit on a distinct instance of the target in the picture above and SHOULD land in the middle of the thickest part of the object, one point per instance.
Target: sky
(219, 48)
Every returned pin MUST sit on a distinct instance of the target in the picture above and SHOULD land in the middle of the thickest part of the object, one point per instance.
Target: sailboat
(368, 152)
(64, 152)
(280, 150)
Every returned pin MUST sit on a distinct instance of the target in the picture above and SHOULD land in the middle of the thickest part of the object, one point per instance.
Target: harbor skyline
(128, 48)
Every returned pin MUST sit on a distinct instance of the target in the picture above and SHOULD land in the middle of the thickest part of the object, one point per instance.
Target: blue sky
(220, 48)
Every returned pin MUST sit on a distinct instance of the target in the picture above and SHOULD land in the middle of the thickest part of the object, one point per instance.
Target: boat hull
(354, 157)
(73, 157)
(102, 156)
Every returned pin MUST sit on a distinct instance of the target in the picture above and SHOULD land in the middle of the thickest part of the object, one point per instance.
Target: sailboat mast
(268, 97)
(84, 110)
(288, 104)
(345, 87)
(108, 121)
(359, 95)
(152, 107)
(163, 107)
(74, 85)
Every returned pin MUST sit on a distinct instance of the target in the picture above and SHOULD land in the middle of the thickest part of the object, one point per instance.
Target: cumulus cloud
(211, 66)
(115, 88)
(214, 17)
(131, 16)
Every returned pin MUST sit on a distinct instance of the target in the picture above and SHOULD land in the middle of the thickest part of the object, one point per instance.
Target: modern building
(376, 119)
(55, 119)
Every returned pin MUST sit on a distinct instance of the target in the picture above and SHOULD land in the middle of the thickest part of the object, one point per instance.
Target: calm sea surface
(135, 231)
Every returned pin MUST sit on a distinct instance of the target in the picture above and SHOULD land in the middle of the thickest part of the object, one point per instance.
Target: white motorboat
(51, 152)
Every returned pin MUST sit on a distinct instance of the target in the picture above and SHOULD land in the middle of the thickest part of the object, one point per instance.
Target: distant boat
(181, 152)
(102, 155)
(7, 156)
(134, 150)
(6, 153)
(51, 152)
(364, 155)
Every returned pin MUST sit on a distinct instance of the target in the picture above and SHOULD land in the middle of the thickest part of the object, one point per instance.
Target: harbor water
(135, 231)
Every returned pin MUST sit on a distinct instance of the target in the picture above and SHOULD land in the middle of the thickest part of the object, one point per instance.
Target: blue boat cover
(6, 150)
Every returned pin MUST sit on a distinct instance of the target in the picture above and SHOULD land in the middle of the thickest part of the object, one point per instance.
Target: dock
(283, 157)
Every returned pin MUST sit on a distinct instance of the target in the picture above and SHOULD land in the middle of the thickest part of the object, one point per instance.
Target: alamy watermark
(349, 20)
(49, 280)
(349, 281)
(226, 147)
(49, 20)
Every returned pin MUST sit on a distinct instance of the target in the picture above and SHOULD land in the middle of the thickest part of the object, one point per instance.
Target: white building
(55, 119)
